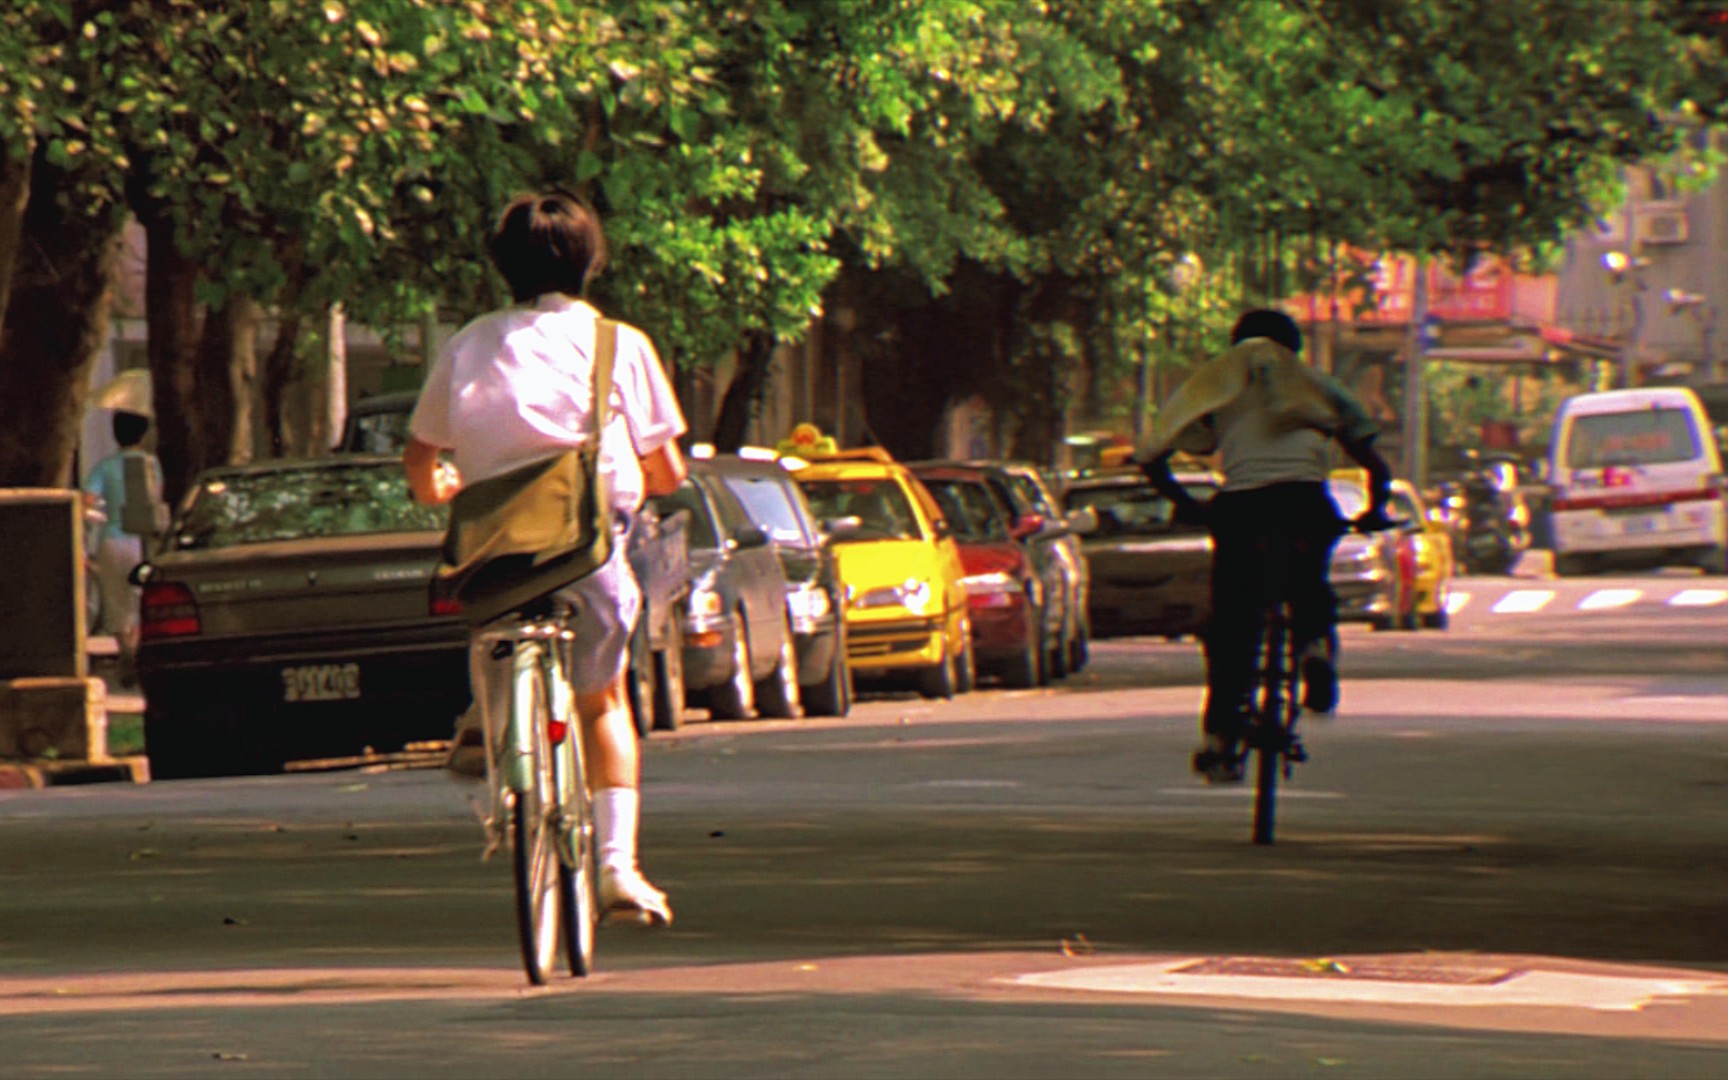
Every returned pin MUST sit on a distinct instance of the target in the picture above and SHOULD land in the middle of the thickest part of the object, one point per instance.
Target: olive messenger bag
(517, 537)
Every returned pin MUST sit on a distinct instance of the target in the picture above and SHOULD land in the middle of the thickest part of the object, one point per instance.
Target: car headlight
(912, 594)
(807, 601)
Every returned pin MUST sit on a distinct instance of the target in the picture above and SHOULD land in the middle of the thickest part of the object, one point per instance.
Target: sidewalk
(135, 768)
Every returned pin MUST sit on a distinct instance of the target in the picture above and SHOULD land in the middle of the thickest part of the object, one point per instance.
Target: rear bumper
(999, 632)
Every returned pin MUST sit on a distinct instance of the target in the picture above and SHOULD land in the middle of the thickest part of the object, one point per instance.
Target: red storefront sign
(1483, 294)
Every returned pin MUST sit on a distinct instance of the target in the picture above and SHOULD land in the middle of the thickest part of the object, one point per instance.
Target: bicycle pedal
(1296, 752)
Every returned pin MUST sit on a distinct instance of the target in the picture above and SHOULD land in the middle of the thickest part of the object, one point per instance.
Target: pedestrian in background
(126, 487)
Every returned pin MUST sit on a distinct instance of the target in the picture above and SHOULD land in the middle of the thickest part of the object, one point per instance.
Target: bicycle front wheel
(534, 819)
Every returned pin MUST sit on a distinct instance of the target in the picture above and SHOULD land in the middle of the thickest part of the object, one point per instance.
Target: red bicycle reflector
(556, 730)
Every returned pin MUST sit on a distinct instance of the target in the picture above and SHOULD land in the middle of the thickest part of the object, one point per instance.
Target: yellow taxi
(1423, 552)
(904, 594)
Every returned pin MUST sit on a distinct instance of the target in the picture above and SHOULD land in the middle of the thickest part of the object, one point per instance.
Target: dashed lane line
(1604, 599)
(1698, 598)
(1523, 601)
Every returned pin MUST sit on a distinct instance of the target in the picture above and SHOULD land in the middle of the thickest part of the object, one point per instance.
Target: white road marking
(1603, 599)
(1523, 601)
(1455, 602)
(1698, 597)
(1609, 993)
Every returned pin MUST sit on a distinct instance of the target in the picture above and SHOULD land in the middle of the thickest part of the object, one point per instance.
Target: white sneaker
(626, 897)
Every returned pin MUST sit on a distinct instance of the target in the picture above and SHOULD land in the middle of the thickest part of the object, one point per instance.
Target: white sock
(615, 813)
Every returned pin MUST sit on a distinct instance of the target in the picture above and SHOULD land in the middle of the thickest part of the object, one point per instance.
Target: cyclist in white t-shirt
(516, 386)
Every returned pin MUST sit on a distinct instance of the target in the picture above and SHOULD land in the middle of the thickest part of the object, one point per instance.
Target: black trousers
(1270, 541)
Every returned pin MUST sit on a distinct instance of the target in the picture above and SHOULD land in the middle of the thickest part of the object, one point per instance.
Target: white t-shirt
(516, 386)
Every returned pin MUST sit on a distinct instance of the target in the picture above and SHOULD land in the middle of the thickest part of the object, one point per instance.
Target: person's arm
(1158, 474)
(432, 481)
(663, 470)
(1363, 453)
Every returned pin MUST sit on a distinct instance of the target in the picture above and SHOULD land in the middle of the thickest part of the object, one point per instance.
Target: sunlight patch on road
(1523, 601)
(1603, 599)
(1335, 981)
(1698, 597)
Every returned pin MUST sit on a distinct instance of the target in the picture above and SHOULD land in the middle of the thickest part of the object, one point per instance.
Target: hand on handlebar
(1373, 519)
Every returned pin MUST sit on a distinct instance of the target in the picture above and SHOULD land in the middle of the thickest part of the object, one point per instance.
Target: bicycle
(536, 780)
(1276, 705)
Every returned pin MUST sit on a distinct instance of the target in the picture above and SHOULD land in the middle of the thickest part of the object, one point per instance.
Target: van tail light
(167, 609)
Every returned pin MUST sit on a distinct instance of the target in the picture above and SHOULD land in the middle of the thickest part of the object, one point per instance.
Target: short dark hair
(1266, 323)
(550, 242)
(130, 428)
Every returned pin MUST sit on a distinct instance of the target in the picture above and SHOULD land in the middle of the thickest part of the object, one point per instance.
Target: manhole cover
(1398, 971)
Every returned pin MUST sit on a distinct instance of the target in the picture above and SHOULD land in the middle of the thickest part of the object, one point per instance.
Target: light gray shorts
(607, 604)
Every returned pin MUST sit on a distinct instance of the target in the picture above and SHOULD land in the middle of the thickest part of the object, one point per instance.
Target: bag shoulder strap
(605, 354)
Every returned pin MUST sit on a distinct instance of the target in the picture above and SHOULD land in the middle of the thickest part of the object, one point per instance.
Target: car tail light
(443, 603)
(168, 609)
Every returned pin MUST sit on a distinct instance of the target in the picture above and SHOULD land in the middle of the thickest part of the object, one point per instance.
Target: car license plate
(1638, 526)
(321, 682)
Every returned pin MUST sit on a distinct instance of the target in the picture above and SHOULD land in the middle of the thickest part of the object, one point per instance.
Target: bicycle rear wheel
(1268, 735)
(534, 816)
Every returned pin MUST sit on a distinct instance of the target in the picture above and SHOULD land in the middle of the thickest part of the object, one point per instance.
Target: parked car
(378, 424)
(815, 597)
(1149, 573)
(659, 554)
(291, 611)
(739, 657)
(1373, 574)
(906, 609)
(1037, 520)
(1011, 636)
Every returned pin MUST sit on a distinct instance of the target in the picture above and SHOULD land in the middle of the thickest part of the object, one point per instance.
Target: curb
(19, 775)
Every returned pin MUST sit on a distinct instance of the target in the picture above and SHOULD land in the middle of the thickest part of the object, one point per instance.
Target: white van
(1637, 481)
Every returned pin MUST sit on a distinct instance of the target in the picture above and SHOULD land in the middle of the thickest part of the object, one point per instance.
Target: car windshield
(880, 504)
(1644, 437)
(771, 504)
(702, 533)
(297, 504)
(1131, 508)
(972, 514)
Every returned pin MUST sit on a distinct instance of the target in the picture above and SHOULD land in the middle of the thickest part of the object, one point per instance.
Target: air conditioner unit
(1662, 225)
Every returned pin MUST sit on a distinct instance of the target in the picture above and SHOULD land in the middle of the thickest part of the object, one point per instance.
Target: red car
(1004, 595)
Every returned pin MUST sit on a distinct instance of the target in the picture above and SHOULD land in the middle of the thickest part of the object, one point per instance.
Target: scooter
(1494, 517)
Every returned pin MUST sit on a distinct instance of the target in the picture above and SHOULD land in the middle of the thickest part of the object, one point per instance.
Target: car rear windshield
(1643, 437)
(1131, 508)
(880, 504)
(771, 504)
(702, 531)
(297, 504)
(972, 514)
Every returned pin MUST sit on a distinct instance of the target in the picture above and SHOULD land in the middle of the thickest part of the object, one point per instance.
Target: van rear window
(1643, 437)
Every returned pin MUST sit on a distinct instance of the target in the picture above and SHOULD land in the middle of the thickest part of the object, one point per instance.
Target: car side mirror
(140, 573)
(1027, 525)
(751, 536)
(943, 529)
(842, 526)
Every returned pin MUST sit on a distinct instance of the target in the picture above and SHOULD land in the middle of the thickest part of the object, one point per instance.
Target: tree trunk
(57, 324)
(14, 198)
(750, 385)
(171, 306)
(274, 384)
(226, 368)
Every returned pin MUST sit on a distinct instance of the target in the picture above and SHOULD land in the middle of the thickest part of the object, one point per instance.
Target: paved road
(1505, 860)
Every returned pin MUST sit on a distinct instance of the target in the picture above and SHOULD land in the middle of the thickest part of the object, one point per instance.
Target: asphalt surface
(1504, 860)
